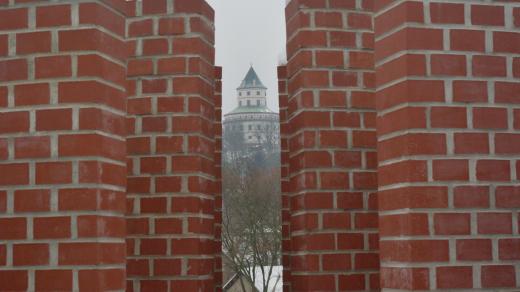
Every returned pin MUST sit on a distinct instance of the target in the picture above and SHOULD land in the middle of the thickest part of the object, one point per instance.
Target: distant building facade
(252, 123)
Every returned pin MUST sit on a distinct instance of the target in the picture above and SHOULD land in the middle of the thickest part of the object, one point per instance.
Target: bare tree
(252, 220)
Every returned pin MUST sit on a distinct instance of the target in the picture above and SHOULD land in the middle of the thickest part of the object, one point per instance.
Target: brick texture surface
(447, 145)
(400, 134)
(62, 176)
(172, 153)
(329, 161)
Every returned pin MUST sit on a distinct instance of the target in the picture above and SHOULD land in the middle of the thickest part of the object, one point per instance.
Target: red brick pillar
(449, 139)
(171, 146)
(332, 141)
(284, 171)
(218, 179)
(62, 146)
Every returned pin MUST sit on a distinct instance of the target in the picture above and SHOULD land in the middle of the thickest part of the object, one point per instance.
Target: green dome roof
(251, 80)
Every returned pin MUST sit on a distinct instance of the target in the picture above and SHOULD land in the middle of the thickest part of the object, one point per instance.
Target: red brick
(493, 170)
(359, 21)
(13, 122)
(415, 250)
(53, 172)
(14, 280)
(140, 28)
(474, 250)
(153, 165)
(31, 94)
(507, 92)
(97, 66)
(400, 172)
(490, 118)
(332, 59)
(89, 145)
(448, 117)
(77, 199)
(14, 174)
(507, 197)
(11, 19)
(509, 249)
(30, 254)
(448, 65)
(4, 45)
(155, 47)
(450, 169)
(334, 180)
(171, 26)
(100, 226)
(494, 223)
(32, 147)
(506, 42)
(15, 69)
(53, 280)
(92, 39)
(498, 276)
(96, 14)
(153, 205)
(100, 120)
(32, 200)
(167, 267)
(516, 16)
(33, 42)
(487, 15)
(403, 224)
(54, 119)
(53, 67)
(154, 7)
(3, 202)
(168, 226)
(405, 278)
(507, 143)
(467, 40)
(471, 197)
(470, 91)
(471, 143)
(51, 227)
(17, 228)
(175, 65)
(454, 277)
(447, 13)
(55, 15)
(489, 66)
(329, 19)
(91, 253)
(154, 86)
(452, 224)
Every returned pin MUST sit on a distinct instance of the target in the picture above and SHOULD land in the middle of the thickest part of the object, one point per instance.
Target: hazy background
(249, 32)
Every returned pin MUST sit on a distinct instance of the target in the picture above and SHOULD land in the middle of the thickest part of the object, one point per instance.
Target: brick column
(284, 177)
(332, 141)
(62, 147)
(171, 146)
(449, 139)
(218, 179)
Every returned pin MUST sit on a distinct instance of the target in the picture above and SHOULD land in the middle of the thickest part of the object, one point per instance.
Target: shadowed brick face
(400, 134)
(448, 145)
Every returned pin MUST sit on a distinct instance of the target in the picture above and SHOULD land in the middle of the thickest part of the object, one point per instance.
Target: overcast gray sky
(249, 31)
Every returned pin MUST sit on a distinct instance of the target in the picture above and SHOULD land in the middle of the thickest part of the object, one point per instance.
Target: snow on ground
(276, 282)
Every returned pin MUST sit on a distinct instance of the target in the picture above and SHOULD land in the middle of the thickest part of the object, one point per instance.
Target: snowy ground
(276, 282)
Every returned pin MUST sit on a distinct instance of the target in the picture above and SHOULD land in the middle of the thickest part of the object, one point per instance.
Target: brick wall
(62, 147)
(171, 147)
(218, 180)
(331, 141)
(284, 177)
(110, 146)
(448, 136)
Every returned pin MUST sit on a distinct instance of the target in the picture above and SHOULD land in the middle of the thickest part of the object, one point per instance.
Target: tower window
(248, 93)
(248, 103)
(258, 93)
(257, 103)
(240, 94)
